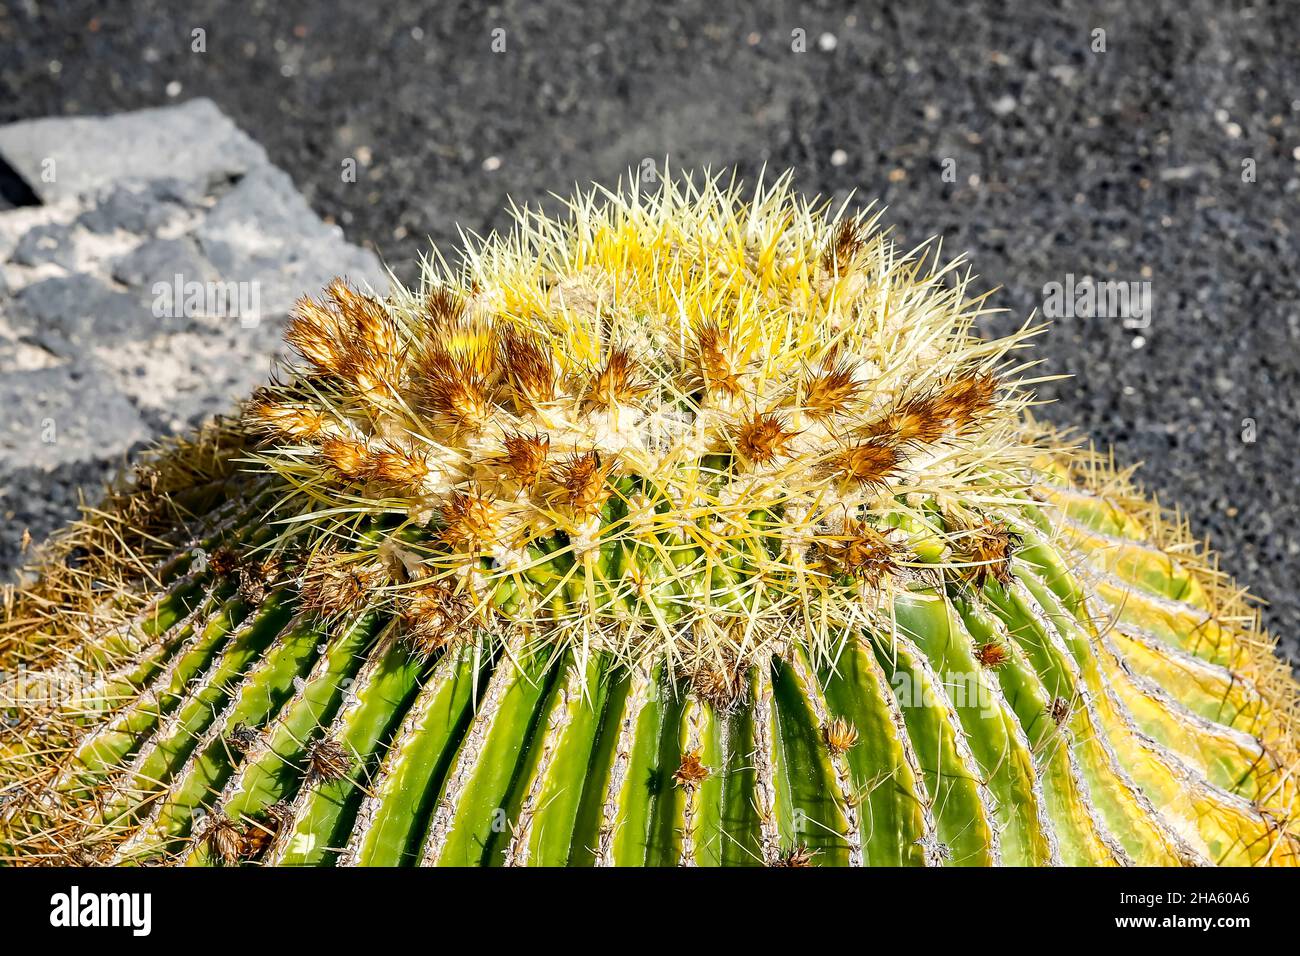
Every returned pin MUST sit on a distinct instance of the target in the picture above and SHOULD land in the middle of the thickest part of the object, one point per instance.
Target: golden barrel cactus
(688, 527)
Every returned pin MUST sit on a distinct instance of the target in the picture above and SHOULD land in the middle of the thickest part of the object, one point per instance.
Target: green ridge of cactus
(689, 527)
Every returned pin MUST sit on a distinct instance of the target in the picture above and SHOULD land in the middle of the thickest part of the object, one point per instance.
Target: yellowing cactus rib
(1230, 759)
(1224, 828)
(1177, 625)
(1094, 512)
(1082, 836)
(1206, 689)
(1127, 812)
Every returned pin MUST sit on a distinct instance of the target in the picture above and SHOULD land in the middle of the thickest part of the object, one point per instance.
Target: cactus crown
(750, 412)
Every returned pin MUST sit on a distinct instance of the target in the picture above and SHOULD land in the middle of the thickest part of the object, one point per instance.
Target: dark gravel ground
(1127, 165)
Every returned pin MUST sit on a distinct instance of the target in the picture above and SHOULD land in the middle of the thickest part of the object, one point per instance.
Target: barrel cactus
(689, 527)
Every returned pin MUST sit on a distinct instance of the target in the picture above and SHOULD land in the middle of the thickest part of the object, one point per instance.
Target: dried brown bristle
(525, 458)
(964, 400)
(714, 361)
(917, 421)
(529, 371)
(865, 464)
(261, 831)
(844, 248)
(329, 588)
(692, 772)
(763, 438)
(372, 327)
(986, 552)
(840, 736)
(317, 332)
(284, 420)
(327, 760)
(618, 382)
(992, 654)
(864, 553)
(241, 738)
(832, 390)
(469, 521)
(582, 482)
(404, 468)
(1059, 709)
(223, 562)
(723, 688)
(257, 837)
(433, 617)
(444, 305)
(452, 390)
(224, 839)
(797, 857)
(258, 577)
(349, 458)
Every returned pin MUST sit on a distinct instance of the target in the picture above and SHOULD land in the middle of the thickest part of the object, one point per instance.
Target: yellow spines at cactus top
(694, 526)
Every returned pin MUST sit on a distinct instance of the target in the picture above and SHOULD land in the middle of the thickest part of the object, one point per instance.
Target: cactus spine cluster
(690, 526)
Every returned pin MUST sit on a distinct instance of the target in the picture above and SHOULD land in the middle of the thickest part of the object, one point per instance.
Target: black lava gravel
(1165, 150)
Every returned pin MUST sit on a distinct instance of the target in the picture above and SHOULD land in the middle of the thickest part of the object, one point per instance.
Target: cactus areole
(689, 527)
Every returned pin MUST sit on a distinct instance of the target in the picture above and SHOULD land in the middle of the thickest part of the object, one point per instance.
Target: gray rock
(264, 232)
(51, 242)
(190, 141)
(67, 315)
(70, 413)
(88, 371)
(265, 199)
(162, 260)
(39, 501)
(140, 207)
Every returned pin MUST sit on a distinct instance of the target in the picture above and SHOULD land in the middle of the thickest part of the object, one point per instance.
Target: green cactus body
(681, 531)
